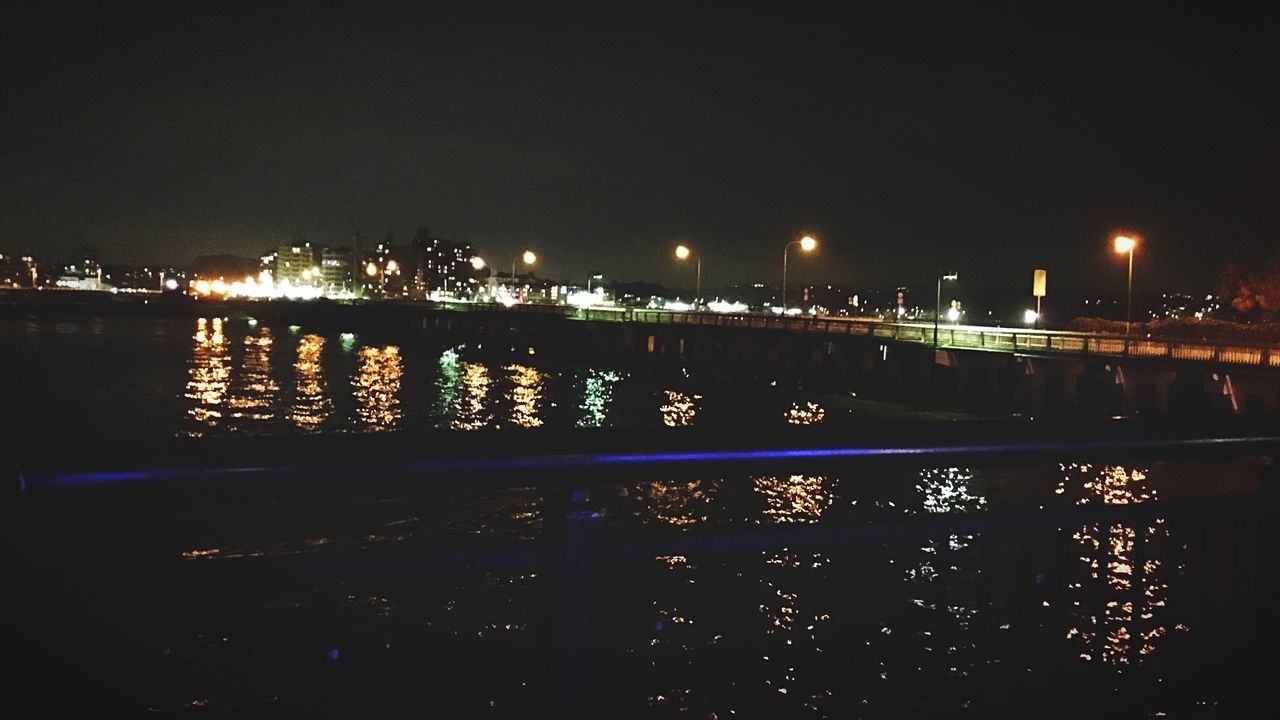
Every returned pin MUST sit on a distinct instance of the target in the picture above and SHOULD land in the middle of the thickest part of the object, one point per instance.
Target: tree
(1254, 292)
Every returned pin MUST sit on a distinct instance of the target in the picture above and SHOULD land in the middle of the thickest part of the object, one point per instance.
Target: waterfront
(1045, 588)
(210, 376)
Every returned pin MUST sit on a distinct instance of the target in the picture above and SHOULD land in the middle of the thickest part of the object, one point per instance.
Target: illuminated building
(442, 265)
(335, 270)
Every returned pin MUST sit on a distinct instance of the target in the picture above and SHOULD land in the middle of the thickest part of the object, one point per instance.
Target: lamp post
(683, 252)
(937, 307)
(1126, 244)
(528, 258)
(807, 244)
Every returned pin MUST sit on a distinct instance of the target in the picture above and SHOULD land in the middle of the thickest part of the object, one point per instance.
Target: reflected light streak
(809, 414)
(796, 499)
(253, 396)
(1126, 581)
(311, 406)
(209, 372)
(679, 409)
(676, 503)
(597, 395)
(525, 395)
(376, 386)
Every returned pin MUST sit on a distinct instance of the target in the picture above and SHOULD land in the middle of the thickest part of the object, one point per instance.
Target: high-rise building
(335, 270)
(295, 265)
(443, 265)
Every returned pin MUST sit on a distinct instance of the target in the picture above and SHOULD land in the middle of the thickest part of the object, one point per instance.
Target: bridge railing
(948, 335)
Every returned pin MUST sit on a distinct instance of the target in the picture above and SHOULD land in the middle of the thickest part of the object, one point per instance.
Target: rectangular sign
(1038, 283)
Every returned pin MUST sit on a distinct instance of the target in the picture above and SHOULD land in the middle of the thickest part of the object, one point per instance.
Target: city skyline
(994, 141)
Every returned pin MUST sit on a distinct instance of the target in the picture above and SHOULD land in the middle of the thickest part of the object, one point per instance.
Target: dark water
(214, 376)
(1052, 590)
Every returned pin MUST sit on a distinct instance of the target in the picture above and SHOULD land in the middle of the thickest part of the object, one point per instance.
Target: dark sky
(598, 133)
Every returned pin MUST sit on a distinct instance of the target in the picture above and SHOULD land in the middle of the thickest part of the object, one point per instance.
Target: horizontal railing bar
(579, 458)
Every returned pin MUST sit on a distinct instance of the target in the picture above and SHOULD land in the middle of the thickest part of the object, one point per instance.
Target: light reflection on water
(209, 371)
(527, 386)
(680, 409)
(253, 389)
(377, 387)
(311, 404)
(1119, 616)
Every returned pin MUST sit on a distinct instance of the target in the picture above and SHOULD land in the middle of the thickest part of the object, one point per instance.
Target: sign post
(1038, 281)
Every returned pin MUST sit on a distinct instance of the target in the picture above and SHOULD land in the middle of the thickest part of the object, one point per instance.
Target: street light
(477, 263)
(1126, 244)
(529, 258)
(807, 244)
(937, 308)
(683, 252)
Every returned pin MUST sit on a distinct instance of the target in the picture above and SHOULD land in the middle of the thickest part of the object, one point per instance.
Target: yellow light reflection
(795, 499)
(311, 406)
(209, 372)
(377, 388)
(254, 394)
(525, 395)
(808, 414)
(1118, 621)
(679, 410)
(676, 503)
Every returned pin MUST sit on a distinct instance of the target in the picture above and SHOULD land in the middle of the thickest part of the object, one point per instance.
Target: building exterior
(443, 266)
(335, 270)
(295, 265)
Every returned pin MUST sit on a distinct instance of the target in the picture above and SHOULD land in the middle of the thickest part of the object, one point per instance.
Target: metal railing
(968, 337)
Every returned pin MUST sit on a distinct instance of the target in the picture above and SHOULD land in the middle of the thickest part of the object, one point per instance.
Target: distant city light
(722, 306)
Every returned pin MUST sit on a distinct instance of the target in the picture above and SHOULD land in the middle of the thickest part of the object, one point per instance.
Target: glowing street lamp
(807, 244)
(683, 252)
(371, 269)
(1126, 244)
(937, 307)
(477, 263)
(529, 258)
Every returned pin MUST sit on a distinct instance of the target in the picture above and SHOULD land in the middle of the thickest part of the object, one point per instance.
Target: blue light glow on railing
(500, 464)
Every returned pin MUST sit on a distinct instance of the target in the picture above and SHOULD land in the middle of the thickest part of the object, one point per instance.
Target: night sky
(598, 134)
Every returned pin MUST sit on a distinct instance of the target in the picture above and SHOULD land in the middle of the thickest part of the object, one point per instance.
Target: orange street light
(807, 244)
(1126, 244)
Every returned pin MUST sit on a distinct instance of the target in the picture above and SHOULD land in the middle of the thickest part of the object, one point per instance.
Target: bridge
(948, 335)
(979, 368)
